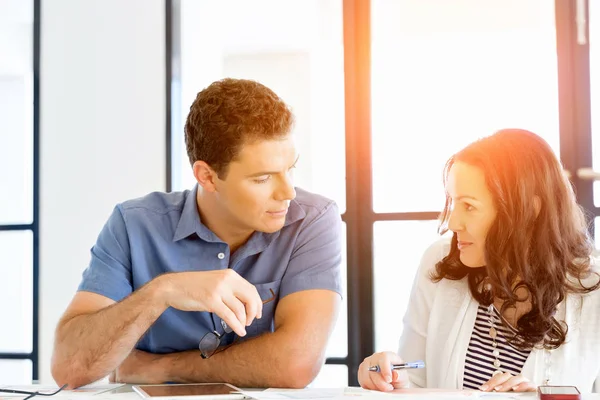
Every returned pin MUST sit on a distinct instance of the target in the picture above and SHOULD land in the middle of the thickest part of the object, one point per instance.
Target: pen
(408, 365)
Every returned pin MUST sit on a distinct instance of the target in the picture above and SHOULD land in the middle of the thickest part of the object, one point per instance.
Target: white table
(125, 392)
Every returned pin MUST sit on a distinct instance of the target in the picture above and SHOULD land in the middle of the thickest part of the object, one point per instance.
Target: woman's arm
(416, 320)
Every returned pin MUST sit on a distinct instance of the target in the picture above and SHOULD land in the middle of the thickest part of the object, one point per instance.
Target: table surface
(125, 392)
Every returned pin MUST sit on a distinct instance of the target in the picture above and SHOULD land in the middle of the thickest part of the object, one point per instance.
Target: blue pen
(408, 365)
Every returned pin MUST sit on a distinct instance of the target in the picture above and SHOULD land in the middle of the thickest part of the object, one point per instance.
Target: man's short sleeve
(315, 261)
(109, 271)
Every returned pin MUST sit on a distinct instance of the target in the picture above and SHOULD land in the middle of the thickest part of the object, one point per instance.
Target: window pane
(338, 342)
(300, 58)
(331, 376)
(445, 72)
(399, 246)
(16, 112)
(15, 372)
(16, 291)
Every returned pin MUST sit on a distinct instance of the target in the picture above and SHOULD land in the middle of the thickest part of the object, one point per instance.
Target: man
(236, 281)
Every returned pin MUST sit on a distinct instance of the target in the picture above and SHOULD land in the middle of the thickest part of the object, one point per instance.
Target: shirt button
(221, 256)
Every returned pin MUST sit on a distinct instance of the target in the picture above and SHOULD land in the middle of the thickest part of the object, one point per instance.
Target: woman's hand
(385, 380)
(507, 382)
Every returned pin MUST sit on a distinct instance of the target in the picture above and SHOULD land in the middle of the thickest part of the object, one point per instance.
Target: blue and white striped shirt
(479, 363)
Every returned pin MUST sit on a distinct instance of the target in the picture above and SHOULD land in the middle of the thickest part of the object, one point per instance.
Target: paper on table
(455, 394)
(313, 394)
(89, 390)
(506, 395)
(353, 392)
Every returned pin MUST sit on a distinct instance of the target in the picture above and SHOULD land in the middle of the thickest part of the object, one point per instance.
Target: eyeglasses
(211, 341)
(32, 394)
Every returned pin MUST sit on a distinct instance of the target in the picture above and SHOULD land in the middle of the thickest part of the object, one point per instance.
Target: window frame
(34, 226)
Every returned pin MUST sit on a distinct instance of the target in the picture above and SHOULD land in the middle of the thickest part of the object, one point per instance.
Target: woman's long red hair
(545, 250)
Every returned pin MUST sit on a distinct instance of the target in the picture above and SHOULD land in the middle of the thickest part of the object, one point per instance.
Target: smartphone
(559, 393)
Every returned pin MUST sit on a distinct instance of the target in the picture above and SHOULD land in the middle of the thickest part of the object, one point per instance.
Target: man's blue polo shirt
(162, 232)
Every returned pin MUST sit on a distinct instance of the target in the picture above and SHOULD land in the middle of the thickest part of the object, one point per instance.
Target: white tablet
(220, 391)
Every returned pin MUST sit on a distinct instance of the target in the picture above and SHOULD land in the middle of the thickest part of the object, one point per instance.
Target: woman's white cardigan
(440, 318)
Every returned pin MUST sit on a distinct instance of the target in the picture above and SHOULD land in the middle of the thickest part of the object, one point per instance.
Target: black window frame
(34, 226)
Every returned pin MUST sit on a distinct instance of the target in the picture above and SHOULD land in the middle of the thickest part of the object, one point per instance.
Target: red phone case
(559, 396)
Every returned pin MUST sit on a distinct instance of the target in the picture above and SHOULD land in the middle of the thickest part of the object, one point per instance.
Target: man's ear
(205, 176)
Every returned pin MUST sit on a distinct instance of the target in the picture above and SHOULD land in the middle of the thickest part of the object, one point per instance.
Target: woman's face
(472, 211)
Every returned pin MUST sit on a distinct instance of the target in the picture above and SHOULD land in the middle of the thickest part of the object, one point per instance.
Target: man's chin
(270, 228)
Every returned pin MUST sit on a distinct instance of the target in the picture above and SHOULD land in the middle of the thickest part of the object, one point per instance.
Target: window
(443, 74)
(18, 198)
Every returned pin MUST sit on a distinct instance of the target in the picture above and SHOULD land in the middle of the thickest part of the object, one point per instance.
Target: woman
(512, 301)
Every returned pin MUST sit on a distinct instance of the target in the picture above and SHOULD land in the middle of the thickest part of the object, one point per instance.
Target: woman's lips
(463, 245)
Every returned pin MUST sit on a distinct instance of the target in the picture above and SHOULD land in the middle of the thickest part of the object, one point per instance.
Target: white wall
(102, 132)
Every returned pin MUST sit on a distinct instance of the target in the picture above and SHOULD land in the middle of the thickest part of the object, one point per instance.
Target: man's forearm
(271, 360)
(89, 347)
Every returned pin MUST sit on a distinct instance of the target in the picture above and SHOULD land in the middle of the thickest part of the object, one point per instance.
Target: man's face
(258, 188)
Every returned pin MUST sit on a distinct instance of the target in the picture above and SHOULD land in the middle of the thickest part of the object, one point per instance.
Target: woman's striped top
(479, 363)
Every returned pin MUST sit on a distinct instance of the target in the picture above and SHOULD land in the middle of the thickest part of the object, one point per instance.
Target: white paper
(312, 394)
(84, 391)
(353, 393)
(457, 394)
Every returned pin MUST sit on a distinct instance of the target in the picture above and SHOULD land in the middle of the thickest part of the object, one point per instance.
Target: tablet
(189, 390)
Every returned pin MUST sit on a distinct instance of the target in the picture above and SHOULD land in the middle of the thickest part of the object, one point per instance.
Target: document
(348, 393)
(84, 391)
(354, 393)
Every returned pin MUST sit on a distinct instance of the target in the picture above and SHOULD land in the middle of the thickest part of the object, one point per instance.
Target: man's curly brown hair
(229, 114)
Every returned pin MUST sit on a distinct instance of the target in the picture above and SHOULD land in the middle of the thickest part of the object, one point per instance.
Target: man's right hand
(223, 292)
(385, 380)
